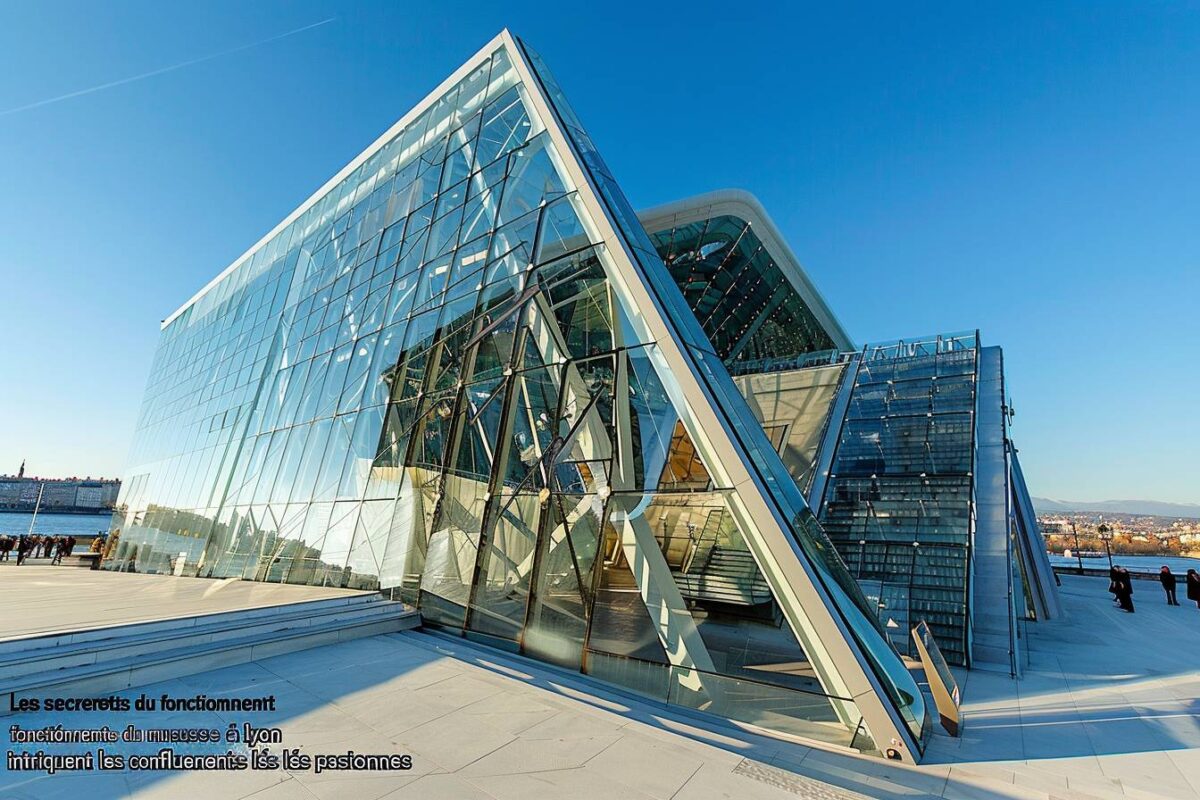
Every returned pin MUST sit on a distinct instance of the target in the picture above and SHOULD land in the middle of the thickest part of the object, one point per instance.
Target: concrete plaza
(1106, 709)
(1107, 706)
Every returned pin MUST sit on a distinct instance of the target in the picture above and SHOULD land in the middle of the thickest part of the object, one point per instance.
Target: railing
(1093, 571)
(795, 712)
(922, 346)
(757, 366)
(957, 342)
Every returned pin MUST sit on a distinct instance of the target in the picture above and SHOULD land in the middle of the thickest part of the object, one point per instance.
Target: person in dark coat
(23, 545)
(1114, 577)
(6, 546)
(1168, 583)
(1124, 590)
(1193, 586)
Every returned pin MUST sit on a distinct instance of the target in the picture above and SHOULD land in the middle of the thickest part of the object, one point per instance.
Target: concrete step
(987, 622)
(116, 658)
(997, 640)
(994, 658)
(86, 560)
(144, 639)
(48, 640)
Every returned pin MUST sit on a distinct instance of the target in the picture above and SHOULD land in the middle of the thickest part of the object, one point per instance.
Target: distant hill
(1154, 508)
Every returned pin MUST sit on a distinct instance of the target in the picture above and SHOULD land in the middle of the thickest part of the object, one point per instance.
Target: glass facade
(899, 500)
(433, 380)
(750, 312)
(900, 497)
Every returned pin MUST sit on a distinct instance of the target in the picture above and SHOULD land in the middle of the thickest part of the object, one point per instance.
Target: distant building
(65, 495)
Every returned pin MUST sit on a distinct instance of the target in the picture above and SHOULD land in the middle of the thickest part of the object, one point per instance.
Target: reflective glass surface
(746, 305)
(898, 503)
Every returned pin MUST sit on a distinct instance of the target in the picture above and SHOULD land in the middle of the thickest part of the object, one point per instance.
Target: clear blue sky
(1032, 171)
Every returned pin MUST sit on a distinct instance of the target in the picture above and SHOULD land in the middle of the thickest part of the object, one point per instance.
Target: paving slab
(1103, 711)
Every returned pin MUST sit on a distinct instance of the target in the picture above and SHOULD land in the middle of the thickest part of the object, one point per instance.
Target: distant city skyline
(67, 477)
(1028, 170)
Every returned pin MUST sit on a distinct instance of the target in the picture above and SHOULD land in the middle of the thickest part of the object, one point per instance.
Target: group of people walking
(1120, 585)
(1192, 579)
(54, 547)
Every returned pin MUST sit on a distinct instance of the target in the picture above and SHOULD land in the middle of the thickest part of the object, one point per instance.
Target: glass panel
(452, 551)
(563, 586)
(506, 565)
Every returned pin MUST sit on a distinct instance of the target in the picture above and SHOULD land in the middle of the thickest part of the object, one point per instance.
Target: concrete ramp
(994, 640)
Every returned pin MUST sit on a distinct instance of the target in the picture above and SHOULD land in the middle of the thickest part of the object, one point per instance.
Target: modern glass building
(462, 372)
(902, 448)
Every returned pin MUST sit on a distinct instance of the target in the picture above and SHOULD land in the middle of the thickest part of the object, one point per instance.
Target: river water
(15, 523)
(1177, 564)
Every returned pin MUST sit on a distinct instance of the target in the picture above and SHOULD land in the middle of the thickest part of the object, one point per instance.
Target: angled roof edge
(426, 103)
(742, 204)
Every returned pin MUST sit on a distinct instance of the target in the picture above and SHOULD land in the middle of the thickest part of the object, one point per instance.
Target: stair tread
(31, 658)
(84, 671)
(49, 643)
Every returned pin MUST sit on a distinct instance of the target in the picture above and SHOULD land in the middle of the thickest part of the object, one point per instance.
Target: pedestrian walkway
(475, 731)
(1107, 706)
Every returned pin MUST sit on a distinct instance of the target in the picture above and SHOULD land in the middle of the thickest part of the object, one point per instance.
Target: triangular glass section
(767, 510)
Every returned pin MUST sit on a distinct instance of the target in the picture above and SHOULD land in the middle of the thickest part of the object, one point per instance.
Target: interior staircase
(725, 575)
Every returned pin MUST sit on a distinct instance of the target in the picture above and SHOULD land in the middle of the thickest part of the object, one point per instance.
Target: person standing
(1124, 590)
(1193, 586)
(23, 545)
(1168, 583)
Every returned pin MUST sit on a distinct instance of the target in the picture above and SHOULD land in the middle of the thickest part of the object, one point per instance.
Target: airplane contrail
(161, 70)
